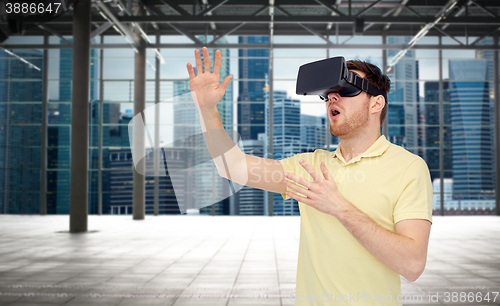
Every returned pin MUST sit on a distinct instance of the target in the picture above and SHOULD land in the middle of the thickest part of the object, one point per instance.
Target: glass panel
(20, 157)
(20, 202)
(299, 123)
(17, 113)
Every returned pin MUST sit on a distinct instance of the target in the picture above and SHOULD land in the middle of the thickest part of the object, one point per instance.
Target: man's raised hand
(206, 84)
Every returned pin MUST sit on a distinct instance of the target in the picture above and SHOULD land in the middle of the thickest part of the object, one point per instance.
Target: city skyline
(405, 96)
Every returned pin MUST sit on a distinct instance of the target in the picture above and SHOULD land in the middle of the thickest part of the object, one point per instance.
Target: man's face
(348, 115)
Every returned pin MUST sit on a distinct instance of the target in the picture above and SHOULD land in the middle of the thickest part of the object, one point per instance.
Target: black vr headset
(331, 75)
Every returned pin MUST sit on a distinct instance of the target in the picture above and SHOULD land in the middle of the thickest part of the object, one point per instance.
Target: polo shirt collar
(376, 149)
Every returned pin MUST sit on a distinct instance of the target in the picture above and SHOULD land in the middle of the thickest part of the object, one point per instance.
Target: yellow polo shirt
(387, 183)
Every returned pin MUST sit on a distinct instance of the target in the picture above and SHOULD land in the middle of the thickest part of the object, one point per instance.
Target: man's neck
(351, 147)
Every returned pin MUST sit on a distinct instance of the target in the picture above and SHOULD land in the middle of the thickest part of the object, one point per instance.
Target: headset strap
(365, 85)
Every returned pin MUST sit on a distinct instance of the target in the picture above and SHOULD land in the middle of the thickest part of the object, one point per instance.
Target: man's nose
(333, 96)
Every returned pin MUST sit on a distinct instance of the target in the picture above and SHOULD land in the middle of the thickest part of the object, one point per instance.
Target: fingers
(190, 71)
(326, 173)
(309, 170)
(206, 59)
(199, 66)
(298, 179)
(217, 62)
(298, 189)
(226, 81)
(299, 198)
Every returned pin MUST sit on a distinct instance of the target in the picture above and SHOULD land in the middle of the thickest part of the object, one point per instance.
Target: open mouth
(335, 112)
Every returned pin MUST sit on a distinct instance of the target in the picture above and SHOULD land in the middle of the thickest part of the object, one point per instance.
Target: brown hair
(374, 76)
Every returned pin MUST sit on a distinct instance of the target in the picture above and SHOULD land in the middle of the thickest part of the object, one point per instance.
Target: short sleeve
(289, 165)
(414, 193)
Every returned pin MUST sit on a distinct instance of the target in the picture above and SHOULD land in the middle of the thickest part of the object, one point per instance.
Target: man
(366, 209)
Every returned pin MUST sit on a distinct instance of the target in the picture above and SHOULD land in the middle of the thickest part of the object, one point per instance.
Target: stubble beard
(352, 123)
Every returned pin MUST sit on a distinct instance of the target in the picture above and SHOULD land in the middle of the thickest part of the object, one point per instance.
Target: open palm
(206, 85)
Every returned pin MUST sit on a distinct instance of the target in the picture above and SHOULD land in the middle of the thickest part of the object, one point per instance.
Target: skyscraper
(287, 141)
(58, 153)
(473, 158)
(252, 71)
(431, 115)
(403, 98)
(251, 200)
(118, 182)
(20, 132)
(313, 132)
(187, 123)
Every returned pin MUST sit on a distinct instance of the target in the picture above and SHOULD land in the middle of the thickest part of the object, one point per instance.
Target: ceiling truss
(325, 19)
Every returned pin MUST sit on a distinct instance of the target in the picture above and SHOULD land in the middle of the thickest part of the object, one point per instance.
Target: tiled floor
(204, 260)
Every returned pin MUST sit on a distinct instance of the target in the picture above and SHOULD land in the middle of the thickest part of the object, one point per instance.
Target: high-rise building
(488, 56)
(252, 72)
(20, 132)
(251, 200)
(58, 153)
(473, 158)
(431, 115)
(293, 133)
(313, 131)
(403, 98)
(286, 143)
(187, 129)
(118, 196)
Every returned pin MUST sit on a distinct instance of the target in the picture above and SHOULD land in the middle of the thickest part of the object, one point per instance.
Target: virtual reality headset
(331, 75)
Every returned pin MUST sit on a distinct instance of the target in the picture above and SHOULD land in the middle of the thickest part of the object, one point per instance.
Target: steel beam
(369, 7)
(314, 19)
(47, 29)
(446, 34)
(396, 13)
(310, 19)
(313, 32)
(262, 46)
(258, 12)
(116, 21)
(330, 7)
(213, 7)
(228, 32)
(483, 36)
(184, 32)
(175, 7)
(485, 9)
(101, 29)
(439, 16)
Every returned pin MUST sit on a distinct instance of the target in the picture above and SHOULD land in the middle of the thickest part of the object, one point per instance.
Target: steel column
(271, 100)
(139, 207)
(328, 133)
(45, 102)
(80, 118)
(101, 119)
(441, 131)
(157, 133)
(497, 127)
(385, 126)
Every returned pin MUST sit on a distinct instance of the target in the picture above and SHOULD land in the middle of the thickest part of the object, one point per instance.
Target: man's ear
(377, 104)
